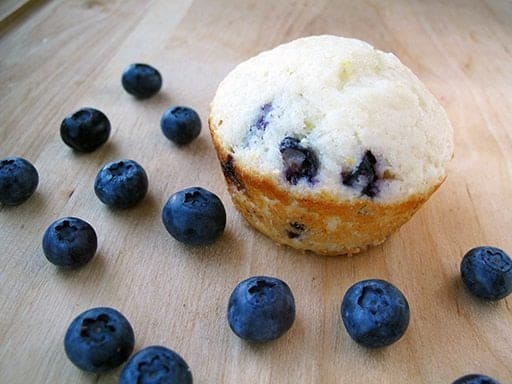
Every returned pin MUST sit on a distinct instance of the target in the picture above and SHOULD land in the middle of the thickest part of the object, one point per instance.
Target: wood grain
(58, 56)
(8, 8)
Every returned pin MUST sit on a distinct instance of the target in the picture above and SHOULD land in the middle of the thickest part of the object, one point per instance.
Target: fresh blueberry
(261, 309)
(141, 80)
(99, 340)
(299, 162)
(181, 125)
(18, 180)
(475, 379)
(364, 176)
(156, 365)
(194, 216)
(121, 184)
(85, 130)
(375, 313)
(487, 273)
(70, 242)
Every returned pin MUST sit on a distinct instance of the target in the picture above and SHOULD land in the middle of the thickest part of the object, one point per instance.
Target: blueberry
(121, 184)
(141, 80)
(231, 173)
(85, 130)
(375, 313)
(194, 216)
(296, 230)
(261, 309)
(299, 162)
(487, 273)
(475, 379)
(18, 180)
(99, 340)
(180, 125)
(156, 365)
(364, 176)
(70, 242)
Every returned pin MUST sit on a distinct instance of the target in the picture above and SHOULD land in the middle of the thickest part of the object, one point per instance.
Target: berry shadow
(144, 211)
(225, 250)
(159, 102)
(471, 303)
(94, 268)
(161, 98)
(296, 332)
(197, 147)
(108, 150)
(34, 203)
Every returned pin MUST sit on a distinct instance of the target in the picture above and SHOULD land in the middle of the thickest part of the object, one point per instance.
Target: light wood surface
(57, 56)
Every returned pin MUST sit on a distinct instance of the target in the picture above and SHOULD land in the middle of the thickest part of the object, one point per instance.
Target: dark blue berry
(261, 309)
(194, 216)
(299, 162)
(181, 125)
(296, 231)
(375, 313)
(156, 365)
(99, 340)
(487, 273)
(85, 130)
(141, 80)
(70, 242)
(121, 184)
(475, 379)
(18, 180)
(231, 174)
(364, 176)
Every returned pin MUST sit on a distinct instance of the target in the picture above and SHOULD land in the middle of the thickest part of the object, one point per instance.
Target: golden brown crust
(320, 223)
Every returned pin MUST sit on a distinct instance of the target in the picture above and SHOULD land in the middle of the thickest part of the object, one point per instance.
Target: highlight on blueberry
(194, 216)
(141, 80)
(181, 125)
(156, 364)
(85, 130)
(261, 309)
(70, 242)
(487, 272)
(375, 313)
(121, 184)
(99, 340)
(18, 180)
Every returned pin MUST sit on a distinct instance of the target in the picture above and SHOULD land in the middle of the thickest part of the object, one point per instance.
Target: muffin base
(321, 223)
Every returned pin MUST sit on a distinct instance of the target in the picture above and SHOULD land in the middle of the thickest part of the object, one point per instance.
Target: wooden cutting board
(58, 56)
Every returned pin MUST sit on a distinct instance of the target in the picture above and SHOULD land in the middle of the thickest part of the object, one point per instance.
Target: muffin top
(331, 114)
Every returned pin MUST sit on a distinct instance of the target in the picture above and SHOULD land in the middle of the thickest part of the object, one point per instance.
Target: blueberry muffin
(328, 144)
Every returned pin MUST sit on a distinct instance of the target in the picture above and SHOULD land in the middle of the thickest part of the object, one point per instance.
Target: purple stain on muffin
(262, 121)
(300, 162)
(229, 170)
(364, 176)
